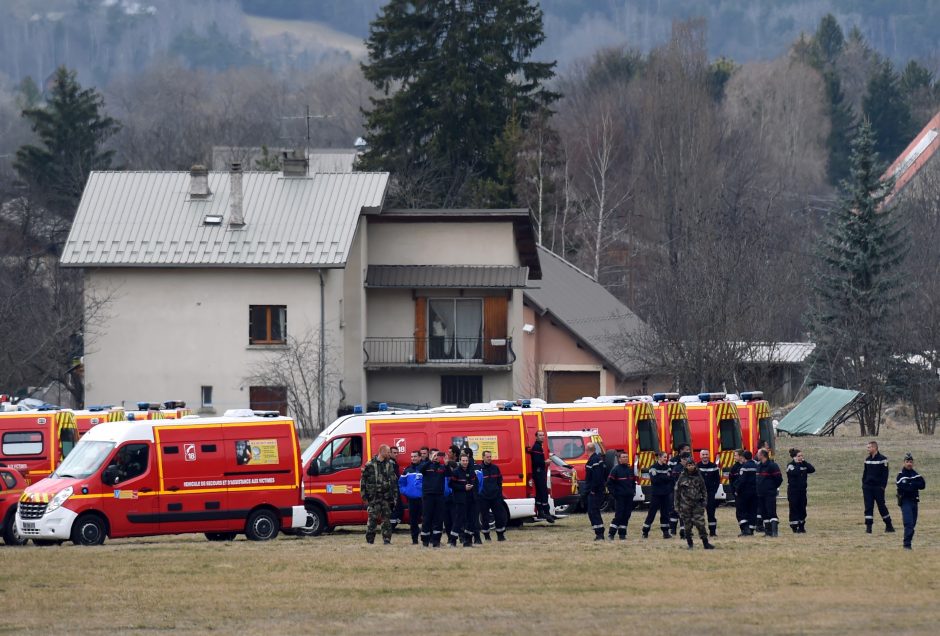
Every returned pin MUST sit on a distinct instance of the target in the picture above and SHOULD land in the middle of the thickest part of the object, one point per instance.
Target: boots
(500, 536)
(666, 534)
(646, 532)
(868, 525)
(774, 528)
(682, 533)
(476, 538)
(672, 526)
(452, 541)
(689, 541)
(611, 533)
(414, 541)
(743, 532)
(802, 529)
(713, 530)
(706, 544)
(468, 542)
(486, 535)
(889, 527)
(767, 530)
(598, 534)
(622, 534)
(387, 540)
(370, 538)
(795, 526)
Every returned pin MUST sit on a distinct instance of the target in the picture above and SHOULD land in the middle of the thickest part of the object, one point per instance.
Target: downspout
(322, 364)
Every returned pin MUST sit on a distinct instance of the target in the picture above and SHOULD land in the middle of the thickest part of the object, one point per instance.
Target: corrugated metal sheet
(450, 276)
(147, 219)
(779, 352)
(819, 411)
(586, 309)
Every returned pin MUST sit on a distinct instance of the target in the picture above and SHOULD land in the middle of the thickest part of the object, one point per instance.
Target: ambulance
(714, 423)
(623, 424)
(333, 462)
(11, 487)
(222, 476)
(757, 425)
(35, 442)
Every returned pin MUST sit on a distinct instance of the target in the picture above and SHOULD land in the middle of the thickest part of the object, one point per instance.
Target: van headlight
(59, 499)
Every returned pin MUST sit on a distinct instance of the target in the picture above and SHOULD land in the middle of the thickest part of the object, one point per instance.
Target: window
(86, 459)
(206, 394)
(765, 427)
(68, 437)
(267, 324)
(730, 432)
(340, 454)
(566, 447)
(646, 432)
(456, 329)
(461, 390)
(680, 434)
(22, 443)
(8, 479)
(129, 462)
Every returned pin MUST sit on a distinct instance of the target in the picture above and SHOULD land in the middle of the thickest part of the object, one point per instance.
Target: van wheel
(10, 534)
(262, 525)
(316, 523)
(89, 529)
(221, 536)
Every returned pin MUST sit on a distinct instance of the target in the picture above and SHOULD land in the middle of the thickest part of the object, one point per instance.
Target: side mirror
(313, 470)
(110, 475)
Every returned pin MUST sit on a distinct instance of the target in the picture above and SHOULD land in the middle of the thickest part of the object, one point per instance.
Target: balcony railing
(438, 351)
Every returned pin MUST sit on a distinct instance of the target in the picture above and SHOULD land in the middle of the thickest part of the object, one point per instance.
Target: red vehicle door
(193, 496)
(130, 487)
(338, 468)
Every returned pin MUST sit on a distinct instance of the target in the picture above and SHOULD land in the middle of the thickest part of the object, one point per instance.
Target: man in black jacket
(711, 473)
(491, 498)
(746, 494)
(621, 485)
(463, 481)
(661, 488)
(909, 485)
(540, 479)
(767, 482)
(874, 482)
(433, 473)
(595, 479)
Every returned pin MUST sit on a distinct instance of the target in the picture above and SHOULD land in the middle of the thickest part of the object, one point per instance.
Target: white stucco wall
(420, 387)
(163, 334)
(484, 243)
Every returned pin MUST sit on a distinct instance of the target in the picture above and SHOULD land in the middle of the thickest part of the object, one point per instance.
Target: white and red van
(35, 442)
(333, 462)
(221, 476)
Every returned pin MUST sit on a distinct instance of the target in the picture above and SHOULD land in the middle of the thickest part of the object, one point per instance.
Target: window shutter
(495, 316)
(421, 330)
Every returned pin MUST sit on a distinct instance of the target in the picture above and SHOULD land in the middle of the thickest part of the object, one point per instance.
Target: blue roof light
(357, 409)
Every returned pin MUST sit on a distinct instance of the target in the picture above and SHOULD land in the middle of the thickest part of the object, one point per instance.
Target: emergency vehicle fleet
(220, 476)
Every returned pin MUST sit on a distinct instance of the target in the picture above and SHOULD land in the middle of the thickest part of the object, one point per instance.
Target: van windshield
(566, 447)
(648, 438)
(730, 432)
(310, 450)
(766, 430)
(84, 460)
(680, 433)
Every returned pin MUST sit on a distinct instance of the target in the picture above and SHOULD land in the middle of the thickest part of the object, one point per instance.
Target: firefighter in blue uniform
(798, 472)
(621, 485)
(660, 496)
(909, 484)
(711, 473)
(539, 478)
(767, 483)
(433, 473)
(463, 481)
(414, 503)
(874, 482)
(491, 498)
(595, 473)
(746, 494)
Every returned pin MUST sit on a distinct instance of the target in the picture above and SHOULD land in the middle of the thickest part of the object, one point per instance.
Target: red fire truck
(333, 462)
(672, 420)
(714, 423)
(220, 476)
(35, 442)
(11, 487)
(756, 424)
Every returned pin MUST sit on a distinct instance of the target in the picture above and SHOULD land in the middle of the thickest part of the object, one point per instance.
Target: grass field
(544, 579)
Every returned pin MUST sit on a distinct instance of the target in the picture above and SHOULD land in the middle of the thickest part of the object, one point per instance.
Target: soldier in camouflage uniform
(378, 487)
(690, 496)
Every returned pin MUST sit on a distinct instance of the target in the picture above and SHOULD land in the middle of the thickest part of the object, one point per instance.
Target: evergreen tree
(452, 75)
(828, 41)
(858, 285)
(841, 129)
(889, 112)
(72, 128)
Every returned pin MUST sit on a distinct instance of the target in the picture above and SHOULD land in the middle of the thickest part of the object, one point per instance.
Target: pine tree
(889, 112)
(828, 41)
(72, 128)
(452, 75)
(858, 284)
(841, 129)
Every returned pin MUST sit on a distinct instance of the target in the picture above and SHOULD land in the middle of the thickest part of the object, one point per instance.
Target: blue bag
(447, 488)
(479, 481)
(410, 485)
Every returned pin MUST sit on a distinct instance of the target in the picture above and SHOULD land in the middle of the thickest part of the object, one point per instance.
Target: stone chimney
(199, 182)
(295, 163)
(237, 218)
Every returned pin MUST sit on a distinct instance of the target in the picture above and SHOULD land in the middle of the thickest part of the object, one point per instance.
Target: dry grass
(551, 580)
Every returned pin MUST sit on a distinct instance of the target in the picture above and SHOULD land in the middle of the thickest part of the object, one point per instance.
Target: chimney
(199, 182)
(237, 218)
(295, 163)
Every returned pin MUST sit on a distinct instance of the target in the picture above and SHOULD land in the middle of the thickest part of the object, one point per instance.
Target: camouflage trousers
(380, 511)
(693, 516)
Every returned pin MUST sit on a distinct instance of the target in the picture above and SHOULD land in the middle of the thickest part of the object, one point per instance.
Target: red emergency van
(333, 462)
(672, 420)
(11, 487)
(756, 423)
(34, 442)
(221, 476)
(714, 423)
(85, 419)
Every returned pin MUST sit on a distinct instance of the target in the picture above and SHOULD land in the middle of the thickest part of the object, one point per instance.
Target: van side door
(129, 486)
(339, 468)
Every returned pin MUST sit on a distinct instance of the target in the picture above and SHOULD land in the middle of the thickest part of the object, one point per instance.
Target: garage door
(568, 386)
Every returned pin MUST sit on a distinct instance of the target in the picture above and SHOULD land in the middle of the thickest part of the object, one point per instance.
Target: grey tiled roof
(590, 312)
(147, 219)
(450, 276)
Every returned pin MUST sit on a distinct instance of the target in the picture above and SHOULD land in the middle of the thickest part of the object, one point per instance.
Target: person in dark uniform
(491, 498)
(399, 510)
(711, 473)
(473, 504)
(798, 471)
(595, 480)
(874, 482)
(675, 466)
(621, 485)
(746, 494)
(414, 503)
(767, 483)
(660, 499)
(734, 473)
(453, 454)
(539, 477)
(909, 484)
(433, 473)
(462, 482)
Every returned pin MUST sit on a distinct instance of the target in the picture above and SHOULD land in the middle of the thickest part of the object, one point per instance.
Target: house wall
(164, 333)
(483, 243)
(354, 319)
(424, 387)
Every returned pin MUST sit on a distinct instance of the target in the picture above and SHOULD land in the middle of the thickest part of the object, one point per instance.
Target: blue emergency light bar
(383, 406)
(711, 397)
(749, 396)
(665, 397)
(357, 409)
